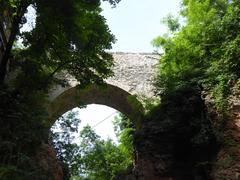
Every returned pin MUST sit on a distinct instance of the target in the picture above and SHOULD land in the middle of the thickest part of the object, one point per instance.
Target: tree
(74, 38)
(92, 157)
(204, 51)
(68, 36)
(120, 123)
(171, 22)
(62, 136)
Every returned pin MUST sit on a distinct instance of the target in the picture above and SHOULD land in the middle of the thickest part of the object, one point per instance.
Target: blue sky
(136, 22)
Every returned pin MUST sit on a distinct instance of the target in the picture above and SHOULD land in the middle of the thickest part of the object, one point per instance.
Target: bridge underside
(106, 94)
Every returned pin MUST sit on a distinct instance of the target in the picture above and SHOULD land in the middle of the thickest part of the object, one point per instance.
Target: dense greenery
(87, 156)
(204, 51)
(20, 134)
(74, 39)
(68, 36)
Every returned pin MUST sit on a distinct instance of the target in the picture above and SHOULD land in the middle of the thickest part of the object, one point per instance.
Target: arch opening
(100, 118)
(75, 146)
(105, 94)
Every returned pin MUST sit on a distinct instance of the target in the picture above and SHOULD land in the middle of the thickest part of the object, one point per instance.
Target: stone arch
(105, 94)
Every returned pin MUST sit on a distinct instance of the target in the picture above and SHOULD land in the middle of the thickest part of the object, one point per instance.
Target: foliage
(171, 22)
(226, 162)
(73, 39)
(124, 130)
(149, 103)
(22, 122)
(184, 111)
(62, 135)
(120, 123)
(204, 51)
(68, 36)
(92, 157)
(203, 54)
(103, 160)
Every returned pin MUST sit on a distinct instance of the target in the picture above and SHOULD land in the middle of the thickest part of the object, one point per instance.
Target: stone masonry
(133, 72)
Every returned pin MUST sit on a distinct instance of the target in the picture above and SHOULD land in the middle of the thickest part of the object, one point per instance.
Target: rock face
(176, 141)
(48, 164)
(126, 175)
(227, 166)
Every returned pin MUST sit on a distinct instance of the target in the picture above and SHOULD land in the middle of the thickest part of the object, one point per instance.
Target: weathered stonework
(133, 72)
(108, 95)
(133, 77)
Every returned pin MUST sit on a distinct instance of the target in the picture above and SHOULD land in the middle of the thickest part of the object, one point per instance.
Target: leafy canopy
(88, 156)
(204, 51)
(68, 35)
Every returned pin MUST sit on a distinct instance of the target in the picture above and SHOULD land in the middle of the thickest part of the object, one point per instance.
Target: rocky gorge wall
(185, 139)
(176, 141)
(227, 166)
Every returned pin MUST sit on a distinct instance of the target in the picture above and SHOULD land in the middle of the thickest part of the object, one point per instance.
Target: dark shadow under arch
(105, 94)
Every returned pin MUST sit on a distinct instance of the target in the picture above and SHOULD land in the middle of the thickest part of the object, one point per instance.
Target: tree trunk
(14, 30)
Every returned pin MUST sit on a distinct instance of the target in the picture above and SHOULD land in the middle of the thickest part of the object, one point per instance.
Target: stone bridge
(133, 78)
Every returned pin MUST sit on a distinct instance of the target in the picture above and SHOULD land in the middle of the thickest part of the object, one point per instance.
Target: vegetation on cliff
(203, 54)
(204, 51)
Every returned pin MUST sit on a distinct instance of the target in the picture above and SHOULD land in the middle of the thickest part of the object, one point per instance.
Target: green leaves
(92, 157)
(13, 3)
(22, 118)
(68, 36)
(205, 51)
(171, 22)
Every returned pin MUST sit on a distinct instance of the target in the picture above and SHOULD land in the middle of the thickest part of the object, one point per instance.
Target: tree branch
(57, 69)
(14, 30)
